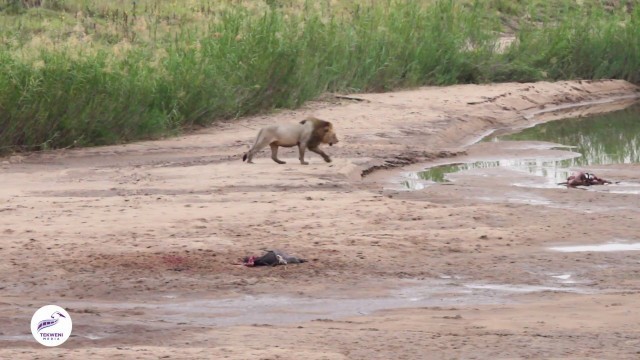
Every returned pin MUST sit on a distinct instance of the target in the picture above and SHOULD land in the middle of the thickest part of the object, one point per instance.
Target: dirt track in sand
(105, 231)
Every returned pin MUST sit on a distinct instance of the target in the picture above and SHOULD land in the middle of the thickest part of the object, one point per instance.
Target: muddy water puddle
(547, 170)
(274, 309)
(552, 151)
(608, 247)
(567, 279)
(282, 309)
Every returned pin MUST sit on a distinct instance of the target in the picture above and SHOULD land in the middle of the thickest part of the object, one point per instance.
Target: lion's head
(329, 136)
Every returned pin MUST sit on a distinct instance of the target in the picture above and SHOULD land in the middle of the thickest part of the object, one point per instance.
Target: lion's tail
(246, 155)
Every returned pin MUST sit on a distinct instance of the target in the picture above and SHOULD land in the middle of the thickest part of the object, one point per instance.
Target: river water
(612, 138)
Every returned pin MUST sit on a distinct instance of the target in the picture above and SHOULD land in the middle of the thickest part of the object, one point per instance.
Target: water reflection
(612, 138)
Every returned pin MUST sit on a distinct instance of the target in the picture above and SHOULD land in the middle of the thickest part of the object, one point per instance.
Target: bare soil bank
(141, 241)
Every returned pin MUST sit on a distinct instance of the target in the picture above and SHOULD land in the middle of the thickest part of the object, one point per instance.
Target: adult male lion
(308, 134)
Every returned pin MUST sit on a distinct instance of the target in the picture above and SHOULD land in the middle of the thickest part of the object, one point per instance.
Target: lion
(308, 134)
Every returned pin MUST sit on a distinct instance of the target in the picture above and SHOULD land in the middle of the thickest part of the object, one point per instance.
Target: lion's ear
(327, 127)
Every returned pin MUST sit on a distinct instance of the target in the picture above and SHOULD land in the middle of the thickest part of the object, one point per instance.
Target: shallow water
(282, 309)
(598, 248)
(566, 279)
(270, 309)
(555, 170)
(528, 288)
(612, 138)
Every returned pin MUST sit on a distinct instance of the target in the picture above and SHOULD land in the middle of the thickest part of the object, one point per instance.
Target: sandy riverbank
(129, 237)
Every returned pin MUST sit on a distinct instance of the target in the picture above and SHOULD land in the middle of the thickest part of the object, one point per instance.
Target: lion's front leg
(321, 153)
(301, 148)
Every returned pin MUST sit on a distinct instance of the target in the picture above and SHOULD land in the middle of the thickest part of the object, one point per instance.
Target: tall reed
(585, 43)
(139, 72)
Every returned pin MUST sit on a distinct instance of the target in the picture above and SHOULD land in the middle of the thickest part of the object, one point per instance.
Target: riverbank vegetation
(93, 72)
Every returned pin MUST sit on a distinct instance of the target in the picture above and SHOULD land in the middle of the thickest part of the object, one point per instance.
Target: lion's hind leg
(274, 153)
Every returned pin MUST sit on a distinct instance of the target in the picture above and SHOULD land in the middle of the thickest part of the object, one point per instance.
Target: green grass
(80, 72)
(592, 44)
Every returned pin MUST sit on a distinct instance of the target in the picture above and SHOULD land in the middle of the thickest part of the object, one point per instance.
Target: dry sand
(141, 242)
